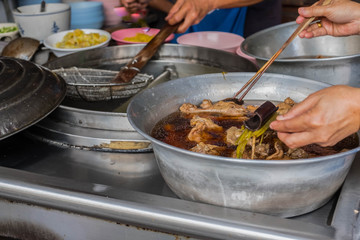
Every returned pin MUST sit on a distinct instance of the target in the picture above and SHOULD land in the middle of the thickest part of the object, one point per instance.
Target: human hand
(324, 117)
(133, 6)
(339, 18)
(192, 12)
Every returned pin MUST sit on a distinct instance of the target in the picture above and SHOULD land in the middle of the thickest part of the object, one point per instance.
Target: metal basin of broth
(332, 60)
(279, 187)
(175, 128)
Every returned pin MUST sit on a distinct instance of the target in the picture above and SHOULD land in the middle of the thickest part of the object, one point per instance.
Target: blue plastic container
(87, 15)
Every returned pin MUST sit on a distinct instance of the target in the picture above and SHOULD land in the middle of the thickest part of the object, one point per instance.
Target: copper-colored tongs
(261, 71)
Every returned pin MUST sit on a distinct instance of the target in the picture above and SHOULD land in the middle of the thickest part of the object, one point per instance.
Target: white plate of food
(71, 41)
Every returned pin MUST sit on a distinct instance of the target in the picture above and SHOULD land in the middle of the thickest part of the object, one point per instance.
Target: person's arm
(133, 6)
(162, 5)
(193, 11)
(339, 18)
(324, 117)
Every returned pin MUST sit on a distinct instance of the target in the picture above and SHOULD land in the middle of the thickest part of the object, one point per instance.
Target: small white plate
(50, 42)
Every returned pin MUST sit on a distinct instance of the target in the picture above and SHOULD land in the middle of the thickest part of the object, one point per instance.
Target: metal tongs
(261, 71)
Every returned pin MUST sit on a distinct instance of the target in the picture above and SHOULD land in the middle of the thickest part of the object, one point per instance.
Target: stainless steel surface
(169, 73)
(278, 187)
(40, 223)
(188, 60)
(65, 134)
(339, 65)
(57, 191)
(28, 93)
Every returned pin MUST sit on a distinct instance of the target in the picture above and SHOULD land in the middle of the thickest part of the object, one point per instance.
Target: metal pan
(28, 93)
(333, 60)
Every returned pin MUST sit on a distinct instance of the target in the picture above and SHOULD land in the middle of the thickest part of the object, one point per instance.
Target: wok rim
(282, 60)
(209, 157)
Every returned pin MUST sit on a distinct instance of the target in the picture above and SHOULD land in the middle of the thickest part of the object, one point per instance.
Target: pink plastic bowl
(119, 35)
(240, 53)
(212, 39)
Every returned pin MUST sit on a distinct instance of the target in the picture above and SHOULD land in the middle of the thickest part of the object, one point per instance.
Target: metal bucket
(277, 187)
(333, 60)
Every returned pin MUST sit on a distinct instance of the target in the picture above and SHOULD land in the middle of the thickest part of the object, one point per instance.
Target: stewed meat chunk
(221, 108)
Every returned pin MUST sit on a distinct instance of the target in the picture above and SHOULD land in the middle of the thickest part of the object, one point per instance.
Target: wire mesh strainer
(92, 84)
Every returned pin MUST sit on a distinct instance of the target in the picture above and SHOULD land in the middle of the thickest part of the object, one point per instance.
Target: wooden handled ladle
(134, 66)
(261, 71)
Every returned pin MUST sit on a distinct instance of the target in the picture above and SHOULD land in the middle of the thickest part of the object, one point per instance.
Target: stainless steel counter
(99, 195)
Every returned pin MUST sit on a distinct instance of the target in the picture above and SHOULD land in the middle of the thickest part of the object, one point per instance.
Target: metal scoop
(22, 48)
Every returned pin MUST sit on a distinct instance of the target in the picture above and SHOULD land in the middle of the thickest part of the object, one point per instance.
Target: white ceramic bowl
(51, 41)
(39, 25)
(8, 36)
(212, 39)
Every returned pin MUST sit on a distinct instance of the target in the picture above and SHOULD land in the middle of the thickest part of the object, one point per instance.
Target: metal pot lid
(28, 93)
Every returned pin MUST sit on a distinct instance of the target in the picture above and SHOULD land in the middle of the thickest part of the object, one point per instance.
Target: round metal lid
(28, 93)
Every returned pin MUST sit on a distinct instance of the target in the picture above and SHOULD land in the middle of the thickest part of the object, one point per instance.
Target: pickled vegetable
(8, 29)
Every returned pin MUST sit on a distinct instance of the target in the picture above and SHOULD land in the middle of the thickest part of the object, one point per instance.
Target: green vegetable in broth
(248, 134)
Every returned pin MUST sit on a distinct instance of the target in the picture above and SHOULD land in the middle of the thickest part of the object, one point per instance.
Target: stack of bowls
(39, 25)
(111, 18)
(87, 15)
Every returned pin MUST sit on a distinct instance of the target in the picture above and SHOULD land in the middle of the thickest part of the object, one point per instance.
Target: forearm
(162, 5)
(233, 3)
(165, 5)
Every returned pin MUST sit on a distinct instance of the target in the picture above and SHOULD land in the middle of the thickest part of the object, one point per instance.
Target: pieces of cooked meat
(201, 128)
(221, 108)
(279, 154)
(207, 149)
(285, 106)
(232, 134)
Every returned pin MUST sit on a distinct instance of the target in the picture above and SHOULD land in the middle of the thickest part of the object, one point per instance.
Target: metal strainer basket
(91, 84)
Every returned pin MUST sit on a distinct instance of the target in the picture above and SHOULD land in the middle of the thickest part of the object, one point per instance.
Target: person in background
(214, 15)
(331, 114)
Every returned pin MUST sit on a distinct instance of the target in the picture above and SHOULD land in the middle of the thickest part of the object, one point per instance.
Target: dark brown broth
(175, 128)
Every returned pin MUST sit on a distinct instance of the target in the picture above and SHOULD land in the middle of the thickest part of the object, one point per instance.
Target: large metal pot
(340, 64)
(92, 124)
(280, 187)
